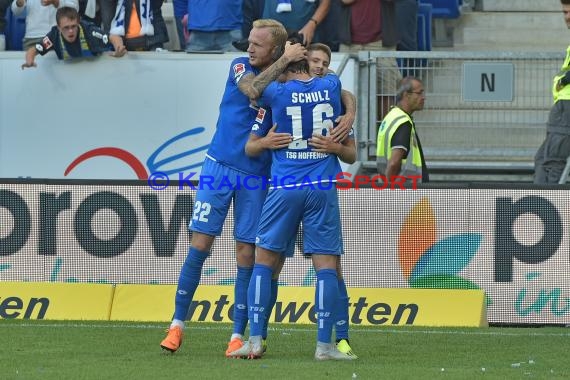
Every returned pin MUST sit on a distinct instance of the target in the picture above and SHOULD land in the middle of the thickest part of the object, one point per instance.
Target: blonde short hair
(277, 30)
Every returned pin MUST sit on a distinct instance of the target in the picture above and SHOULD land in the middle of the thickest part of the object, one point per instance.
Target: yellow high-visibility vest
(564, 93)
(412, 164)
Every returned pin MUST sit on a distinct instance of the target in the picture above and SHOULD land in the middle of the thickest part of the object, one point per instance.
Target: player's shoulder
(331, 76)
(239, 67)
(240, 63)
(327, 80)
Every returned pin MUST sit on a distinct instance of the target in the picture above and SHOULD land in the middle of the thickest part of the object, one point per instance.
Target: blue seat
(15, 30)
(424, 26)
(445, 8)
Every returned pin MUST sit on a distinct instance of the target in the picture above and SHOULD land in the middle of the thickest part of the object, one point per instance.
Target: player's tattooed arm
(252, 86)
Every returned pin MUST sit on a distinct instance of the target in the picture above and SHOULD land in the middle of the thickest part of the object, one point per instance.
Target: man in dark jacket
(72, 38)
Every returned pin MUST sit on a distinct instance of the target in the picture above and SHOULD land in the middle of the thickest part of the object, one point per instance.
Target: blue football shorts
(284, 209)
(219, 186)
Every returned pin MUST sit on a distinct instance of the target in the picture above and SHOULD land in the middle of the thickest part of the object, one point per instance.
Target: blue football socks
(258, 298)
(326, 297)
(240, 299)
(188, 282)
(272, 300)
(341, 319)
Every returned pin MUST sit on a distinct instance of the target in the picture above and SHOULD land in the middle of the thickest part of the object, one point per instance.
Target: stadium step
(499, 25)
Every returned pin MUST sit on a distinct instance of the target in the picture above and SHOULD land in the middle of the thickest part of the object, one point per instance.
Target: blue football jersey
(303, 109)
(234, 125)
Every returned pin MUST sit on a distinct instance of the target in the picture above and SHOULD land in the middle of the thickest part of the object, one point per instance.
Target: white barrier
(133, 106)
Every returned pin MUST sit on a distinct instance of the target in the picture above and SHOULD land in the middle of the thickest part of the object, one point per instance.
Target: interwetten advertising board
(511, 243)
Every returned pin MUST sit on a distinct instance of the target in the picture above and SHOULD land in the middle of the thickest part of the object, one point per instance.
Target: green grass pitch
(110, 350)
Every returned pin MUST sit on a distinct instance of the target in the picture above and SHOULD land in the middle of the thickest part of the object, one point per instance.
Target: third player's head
(266, 42)
(319, 57)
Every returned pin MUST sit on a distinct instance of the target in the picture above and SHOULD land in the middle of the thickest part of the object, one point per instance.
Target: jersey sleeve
(331, 76)
(239, 68)
(262, 123)
(401, 138)
(264, 118)
(47, 43)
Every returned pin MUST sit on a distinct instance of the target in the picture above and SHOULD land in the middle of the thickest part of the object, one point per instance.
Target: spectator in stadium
(252, 10)
(299, 15)
(180, 8)
(371, 25)
(72, 38)
(214, 24)
(406, 12)
(40, 18)
(226, 161)
(399, 151)
(99, 12)
(285, 206)
(550, 159)
(137, 28)
(4, 4)
(107, 10)
(328, 30)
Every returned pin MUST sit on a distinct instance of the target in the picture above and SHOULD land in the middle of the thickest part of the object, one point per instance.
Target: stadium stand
(491, 140)
(498, 25)
(445, 8)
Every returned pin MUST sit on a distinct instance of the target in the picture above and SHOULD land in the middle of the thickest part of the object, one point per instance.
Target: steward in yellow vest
(398, 148)
(550, 159)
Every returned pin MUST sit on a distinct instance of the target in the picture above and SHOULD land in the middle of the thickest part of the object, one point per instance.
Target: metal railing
(485, 112)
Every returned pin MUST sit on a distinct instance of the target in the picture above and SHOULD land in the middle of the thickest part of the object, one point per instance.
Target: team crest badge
(260, 115)
(239, 69)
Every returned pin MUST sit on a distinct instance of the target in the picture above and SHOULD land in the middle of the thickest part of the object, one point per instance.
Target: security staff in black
(398, 149)
(72, 38)
(550, 159)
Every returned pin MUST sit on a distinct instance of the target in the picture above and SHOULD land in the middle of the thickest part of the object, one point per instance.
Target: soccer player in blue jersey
(319, 58)
(226, 161)
(303, 172)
